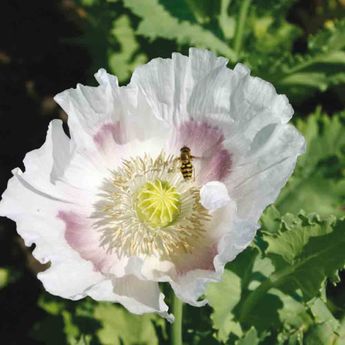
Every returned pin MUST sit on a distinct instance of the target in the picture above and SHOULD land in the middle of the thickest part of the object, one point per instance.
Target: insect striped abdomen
(187, 170)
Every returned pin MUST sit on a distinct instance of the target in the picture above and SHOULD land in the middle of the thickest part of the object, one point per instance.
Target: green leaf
(120, 327)
(341, 333)
(4, 277)
(318, 183)
(181, 31)
(227, 23)
(110, 38)
(304, 255)
(250, 338)
(331, 38)
(268, 293)
(323, 334)
(266, 313)
(326, 329)
(93, 322)
(266, 310)
(243, 266)
(223, 297)
(123, 61)
(321, 313)
(53, 306)
(276, 7)
(82, 341)
(270, 220)
(321, 67)
(273, 34)
(307, 254)
(96, 21)
(203, 10)
(293, 315)
(268, 37)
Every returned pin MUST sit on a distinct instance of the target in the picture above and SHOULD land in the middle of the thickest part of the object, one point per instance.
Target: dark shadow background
(36, 62)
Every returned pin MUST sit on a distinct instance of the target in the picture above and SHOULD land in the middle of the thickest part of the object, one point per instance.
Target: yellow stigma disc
(158, 203)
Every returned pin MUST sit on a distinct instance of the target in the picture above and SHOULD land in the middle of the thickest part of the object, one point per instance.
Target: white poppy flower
(109, 207)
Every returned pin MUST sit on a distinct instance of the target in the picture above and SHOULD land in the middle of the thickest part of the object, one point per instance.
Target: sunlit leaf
(123, 61)
(306, 255)
(318, 183)
(319, 68)
(223, 297)
(323, 334)
(271, 220)
(183, 32)
(120, 327)
(250, 338)
(226, 22)
(82, 341)
(4, 277)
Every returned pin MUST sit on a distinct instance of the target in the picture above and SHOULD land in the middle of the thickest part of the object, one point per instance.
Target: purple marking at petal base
(201, 259)
(82, 238)
(205, 142)
(109, 131)
(218, 167)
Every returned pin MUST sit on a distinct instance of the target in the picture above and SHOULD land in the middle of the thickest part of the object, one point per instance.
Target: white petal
(214, 195)
(200, 86)
(236, 236)
(89, 108)
(255, 102)
(260, 172)
(31, 194)
(141, 296)
(235, 239)
(138, 296)
(44, 166)
(33, 202)
(70, 278)
(168, 84)
(192, 285)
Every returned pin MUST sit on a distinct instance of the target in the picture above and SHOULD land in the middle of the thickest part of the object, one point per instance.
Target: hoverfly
(186, 166)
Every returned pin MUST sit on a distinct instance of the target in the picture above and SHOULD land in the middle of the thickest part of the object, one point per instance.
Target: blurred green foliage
(88, 322)
(281, 290)
(120, 35)
(318, 183)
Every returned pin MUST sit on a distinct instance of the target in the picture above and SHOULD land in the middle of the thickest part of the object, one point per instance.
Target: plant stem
(176, 328)
(240, 27)
(253, 298)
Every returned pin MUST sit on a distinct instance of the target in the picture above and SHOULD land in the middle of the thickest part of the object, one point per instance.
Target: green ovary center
(158, 203)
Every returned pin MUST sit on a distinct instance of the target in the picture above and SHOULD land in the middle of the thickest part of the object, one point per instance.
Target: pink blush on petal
(217, 168)
(200, 259)
(109, 132)
(80, 235)
(213, 161)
